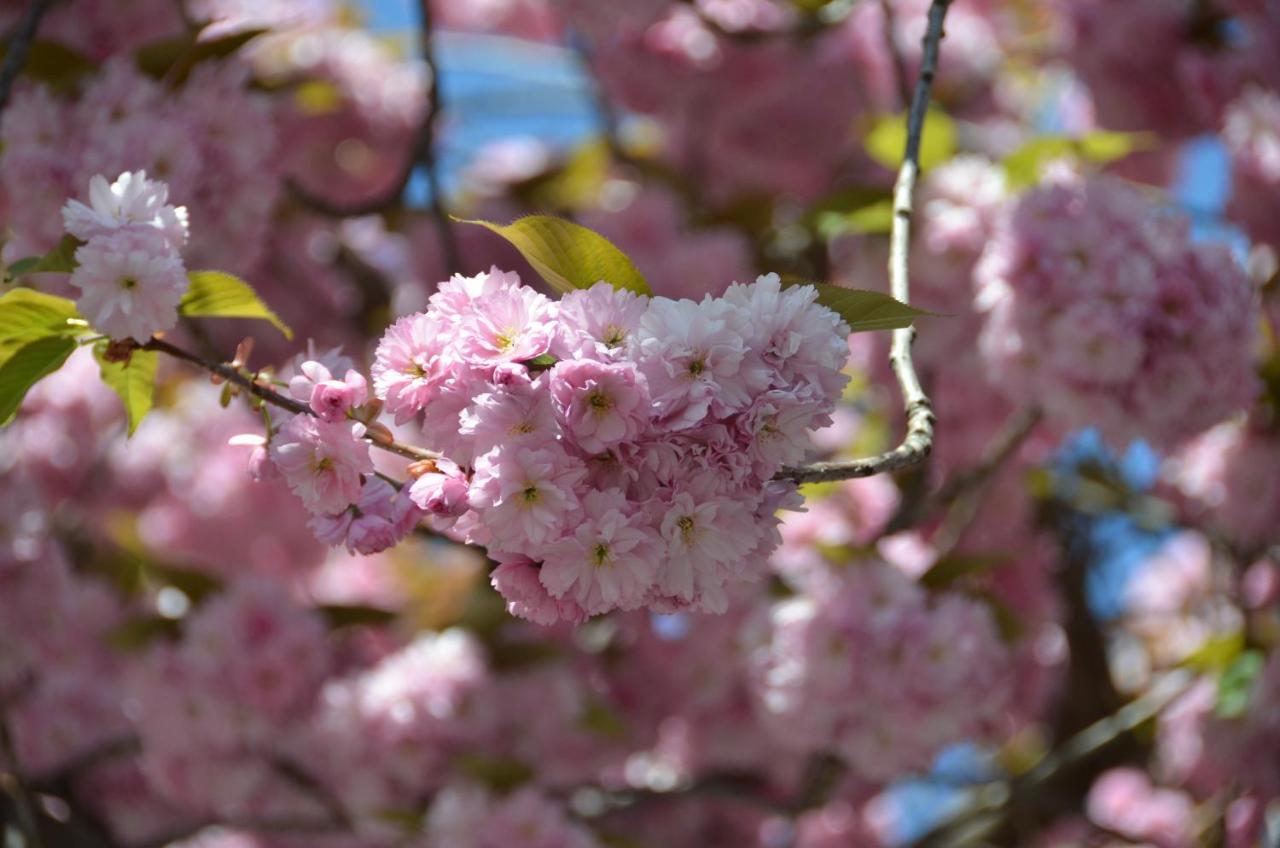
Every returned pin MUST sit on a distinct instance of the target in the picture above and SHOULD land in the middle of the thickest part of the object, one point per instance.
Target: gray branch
(918, 442)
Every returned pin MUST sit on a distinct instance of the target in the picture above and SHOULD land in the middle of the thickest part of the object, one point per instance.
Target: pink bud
(442, 492)
(331, 399)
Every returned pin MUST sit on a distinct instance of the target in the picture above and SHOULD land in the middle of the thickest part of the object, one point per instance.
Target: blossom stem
(917, 444)
(16, 50)
(251, 385)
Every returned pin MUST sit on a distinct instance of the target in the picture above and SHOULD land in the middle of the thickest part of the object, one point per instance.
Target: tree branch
(16, 50)
(11, 784)
(918, 442)
(271, 396)
(421, 154)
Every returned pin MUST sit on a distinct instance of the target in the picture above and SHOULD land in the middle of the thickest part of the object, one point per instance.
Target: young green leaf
(886, 140)
(29, 364)
(951, 568)
(1023, 166)
(867, 310)
(569, 256)
(214, 294)
(173, 59)
(1236, 683)
(54, 64)
(60, 260)
(339, 615)
(27, 315)
(134, 381)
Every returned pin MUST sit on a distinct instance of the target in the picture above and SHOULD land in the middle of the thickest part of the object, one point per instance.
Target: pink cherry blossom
(599, 404)
(607, 561)
(131, 281)
(322, 462)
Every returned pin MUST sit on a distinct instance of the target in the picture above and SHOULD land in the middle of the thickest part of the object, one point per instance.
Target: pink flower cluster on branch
(615, 451)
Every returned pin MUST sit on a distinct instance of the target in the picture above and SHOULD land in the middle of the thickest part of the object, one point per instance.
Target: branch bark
(422, 154)
(268, 395)
(917, 444)
(16, 50)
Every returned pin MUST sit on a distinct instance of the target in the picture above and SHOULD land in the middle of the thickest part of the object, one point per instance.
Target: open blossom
(322, 462)
(794, 336)
(377, 521)
(525, 494)
(692, 355)
(411, 367)
(517, 580)
(599, 320)
(131, 281)
(607, 561)
(707, 535)
(600, 404)
(131, 201)
(328, 398)
(511, 324)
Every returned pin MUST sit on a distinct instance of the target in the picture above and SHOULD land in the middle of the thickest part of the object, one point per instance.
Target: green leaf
(53, 63)
(951, 568)
(872, 219)
(27, 315)
(541, 362)
(886, 141)
(215, 294)
(135, 634)
(134, 381)
(173, 59)
(60, 260)
(1237, 682)
(601, 721)
(341, 615)
(1217, 652)
(1023, 166)
(500, 774)
(196, 585)
(568, 256)
(31, 363)
(867, 310)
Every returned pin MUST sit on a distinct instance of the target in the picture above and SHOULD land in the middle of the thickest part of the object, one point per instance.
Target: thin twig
(989, 804)
(11, 784)
(268, 395)
(422, 154)
(426, 154)
(918, 442)
(16, 50)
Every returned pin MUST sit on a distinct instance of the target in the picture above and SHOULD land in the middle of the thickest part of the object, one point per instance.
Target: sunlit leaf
(60, 260)
(867, 310)
(215, 294)
(343, 615)
(886, 140)
(27, 315)
(27, 366)
(1237, 682)
(955, 566)
(569, 256)
(134, 381)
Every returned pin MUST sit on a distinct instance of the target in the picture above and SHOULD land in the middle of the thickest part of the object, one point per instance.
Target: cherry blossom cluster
(611, 451)
(130, 272)
(1251, 132)
(1228, 475)
(212, 141)
(872, 669)
(1100, 310)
